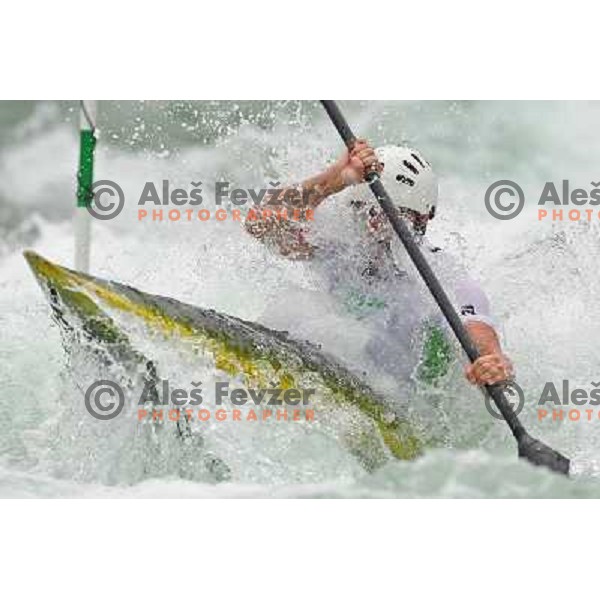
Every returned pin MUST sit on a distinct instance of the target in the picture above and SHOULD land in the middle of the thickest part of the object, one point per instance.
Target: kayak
(237, 348)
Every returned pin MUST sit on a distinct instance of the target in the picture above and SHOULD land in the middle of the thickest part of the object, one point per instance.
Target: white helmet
(409, 179)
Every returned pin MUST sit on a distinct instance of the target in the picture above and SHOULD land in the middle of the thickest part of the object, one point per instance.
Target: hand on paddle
(492, 366)
(489, 369)
(355, 164)
(351, 168)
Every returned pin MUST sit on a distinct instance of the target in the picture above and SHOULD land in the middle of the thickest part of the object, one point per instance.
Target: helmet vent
(418, 159)
(410, 167)
(403, 179)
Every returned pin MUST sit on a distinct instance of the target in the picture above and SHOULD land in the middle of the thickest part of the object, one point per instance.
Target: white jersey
(368, 304)
(357, 253)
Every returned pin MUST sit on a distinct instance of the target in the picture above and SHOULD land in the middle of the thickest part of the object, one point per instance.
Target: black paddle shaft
(533, 450)
(437, 291)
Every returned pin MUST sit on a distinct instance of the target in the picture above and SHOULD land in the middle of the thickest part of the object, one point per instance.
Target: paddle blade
(539, 454)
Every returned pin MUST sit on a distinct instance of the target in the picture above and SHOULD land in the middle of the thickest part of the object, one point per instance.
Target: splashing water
(540, 276)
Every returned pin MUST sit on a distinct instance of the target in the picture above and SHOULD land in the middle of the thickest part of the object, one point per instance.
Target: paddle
(529, 448)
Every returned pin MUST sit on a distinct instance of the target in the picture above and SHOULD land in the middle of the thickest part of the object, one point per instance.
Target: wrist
(484, 337)
(334, 178)
(323, 185)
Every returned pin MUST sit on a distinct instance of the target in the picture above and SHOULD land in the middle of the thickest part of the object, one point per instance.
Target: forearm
(308, 194)
(484, 337)
(323, 185)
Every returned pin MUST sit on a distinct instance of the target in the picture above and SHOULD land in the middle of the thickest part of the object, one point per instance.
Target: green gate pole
(85, 179)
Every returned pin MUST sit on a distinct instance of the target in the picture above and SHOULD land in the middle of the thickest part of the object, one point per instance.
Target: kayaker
(352, 246)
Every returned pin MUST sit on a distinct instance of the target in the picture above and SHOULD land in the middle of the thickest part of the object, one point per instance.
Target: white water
(541, 279)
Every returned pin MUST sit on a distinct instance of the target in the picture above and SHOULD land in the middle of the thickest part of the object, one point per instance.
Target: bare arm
(288, 235)
(493, 366)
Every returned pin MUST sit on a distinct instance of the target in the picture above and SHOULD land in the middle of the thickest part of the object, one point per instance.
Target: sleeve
(469, 299)
(472, 302)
